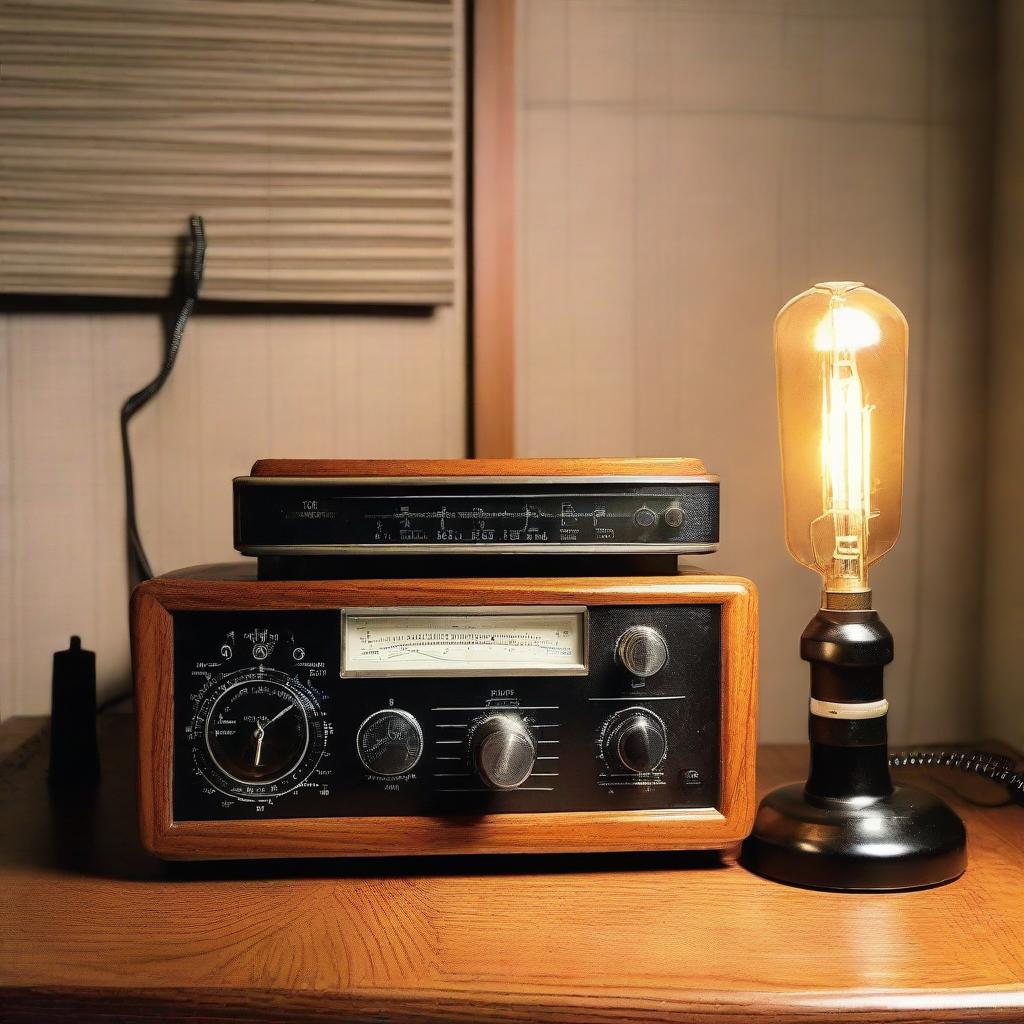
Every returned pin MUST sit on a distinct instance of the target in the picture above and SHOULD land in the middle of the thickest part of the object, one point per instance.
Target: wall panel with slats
(316, 138)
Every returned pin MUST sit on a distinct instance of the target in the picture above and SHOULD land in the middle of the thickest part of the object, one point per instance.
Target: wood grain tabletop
(93, 928)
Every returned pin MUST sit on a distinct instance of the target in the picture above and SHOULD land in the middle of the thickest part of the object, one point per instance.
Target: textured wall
(685, 167)
(244, 388)
(1003, 706)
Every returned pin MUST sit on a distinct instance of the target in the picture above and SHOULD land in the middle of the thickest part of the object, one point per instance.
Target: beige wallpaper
(244, 387)
(1003, 678)
(685, 167)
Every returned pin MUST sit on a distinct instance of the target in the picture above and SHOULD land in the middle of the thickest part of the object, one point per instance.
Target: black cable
(996, 767)
(190, 280)
(187, 285)
(112, 702)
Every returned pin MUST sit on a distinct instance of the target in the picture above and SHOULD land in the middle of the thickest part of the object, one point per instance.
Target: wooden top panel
(224, 577)
(615, 939)
(478, 467)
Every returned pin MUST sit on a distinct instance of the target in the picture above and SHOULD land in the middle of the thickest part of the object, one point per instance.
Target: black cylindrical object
(848, 651)
(74, 754)
(848, 828)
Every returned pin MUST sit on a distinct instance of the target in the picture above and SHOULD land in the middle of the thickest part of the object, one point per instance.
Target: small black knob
(645, 517)
(503, 750)
(635, 739)
(674, 516)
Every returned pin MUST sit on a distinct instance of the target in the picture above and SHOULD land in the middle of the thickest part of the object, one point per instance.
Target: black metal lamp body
(848, 828)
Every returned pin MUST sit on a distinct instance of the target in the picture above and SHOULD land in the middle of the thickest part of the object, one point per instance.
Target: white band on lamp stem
(849, 712)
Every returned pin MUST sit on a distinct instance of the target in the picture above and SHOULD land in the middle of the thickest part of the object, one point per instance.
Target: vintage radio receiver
(433, 716)
(476, 507)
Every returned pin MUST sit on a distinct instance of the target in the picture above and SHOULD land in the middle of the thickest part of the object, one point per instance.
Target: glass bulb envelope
(841, 365)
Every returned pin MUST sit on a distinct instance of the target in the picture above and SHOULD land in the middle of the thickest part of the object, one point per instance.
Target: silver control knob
(642, 651)
(389, 742)
(674, 516)
(635, 739)
(645, 517)
(503, 751)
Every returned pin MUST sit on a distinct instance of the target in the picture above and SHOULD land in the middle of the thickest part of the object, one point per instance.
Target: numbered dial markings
(257, 733)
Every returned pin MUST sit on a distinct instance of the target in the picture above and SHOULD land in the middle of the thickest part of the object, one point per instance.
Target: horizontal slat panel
(315, 138)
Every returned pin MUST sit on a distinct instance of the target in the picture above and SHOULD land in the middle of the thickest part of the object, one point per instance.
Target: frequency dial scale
(257, 732)
(667, 507)
(256, 728)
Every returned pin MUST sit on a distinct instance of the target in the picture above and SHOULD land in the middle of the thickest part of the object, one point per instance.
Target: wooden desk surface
(92, 928)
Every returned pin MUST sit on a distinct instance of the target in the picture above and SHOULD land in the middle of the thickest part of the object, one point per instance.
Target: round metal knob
(674, 516)
(635, 739)
(389, 742)
(642, 651)
(503, 751)
(645, 517)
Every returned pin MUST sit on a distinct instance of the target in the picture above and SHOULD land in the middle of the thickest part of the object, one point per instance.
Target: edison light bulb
(841, 361)
(841, 364)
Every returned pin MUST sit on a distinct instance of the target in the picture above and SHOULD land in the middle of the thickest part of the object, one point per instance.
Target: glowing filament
(845, 446)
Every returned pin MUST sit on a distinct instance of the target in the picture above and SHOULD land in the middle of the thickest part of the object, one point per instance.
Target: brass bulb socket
(846, 601)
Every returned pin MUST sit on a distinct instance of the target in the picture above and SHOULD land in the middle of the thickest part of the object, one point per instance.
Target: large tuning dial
(642, 651)
(634, 740)
(503, 750)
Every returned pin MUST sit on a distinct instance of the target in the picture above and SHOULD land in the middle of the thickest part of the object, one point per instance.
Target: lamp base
(906, 840)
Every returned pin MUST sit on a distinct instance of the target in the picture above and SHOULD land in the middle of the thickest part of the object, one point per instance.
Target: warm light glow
(841, 352)
(845, 444)
(846, 328)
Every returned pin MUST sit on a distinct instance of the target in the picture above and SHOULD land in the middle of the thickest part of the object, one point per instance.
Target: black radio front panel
(280, 515)
(266, 725)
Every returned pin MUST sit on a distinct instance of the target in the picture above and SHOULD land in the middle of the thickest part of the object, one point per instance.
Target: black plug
(74, 754)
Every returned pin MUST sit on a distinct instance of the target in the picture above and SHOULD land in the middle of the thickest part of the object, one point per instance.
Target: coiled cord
(996, 767)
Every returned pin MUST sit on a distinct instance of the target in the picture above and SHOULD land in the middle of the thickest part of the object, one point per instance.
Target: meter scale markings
(459, 647)
(463, 643)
